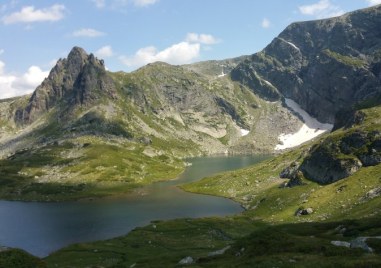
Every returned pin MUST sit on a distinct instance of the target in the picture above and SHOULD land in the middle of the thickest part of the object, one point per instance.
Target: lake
(41, 228)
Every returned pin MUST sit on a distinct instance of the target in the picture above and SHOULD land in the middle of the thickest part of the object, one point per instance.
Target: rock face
(79, 79)
(333, 160)
(325, 66)
(293, 173)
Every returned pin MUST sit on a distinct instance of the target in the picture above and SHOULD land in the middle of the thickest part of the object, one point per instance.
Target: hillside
(325, 66)
(86, 132)
(317, 205)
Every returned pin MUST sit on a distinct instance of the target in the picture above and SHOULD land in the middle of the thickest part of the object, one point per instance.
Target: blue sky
(128, 34)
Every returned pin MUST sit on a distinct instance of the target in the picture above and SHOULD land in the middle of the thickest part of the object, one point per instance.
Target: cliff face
(325, 66)
(77, 80)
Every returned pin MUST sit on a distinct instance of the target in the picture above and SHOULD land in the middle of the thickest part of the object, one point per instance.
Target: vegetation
(268, 233)
(347, 60)
(82, 168)
(19, 258)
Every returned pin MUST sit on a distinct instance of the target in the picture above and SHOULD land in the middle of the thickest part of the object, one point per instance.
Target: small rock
(218, 252)
(303, 212)
(360, 242)
(341, 244)
(186, 261)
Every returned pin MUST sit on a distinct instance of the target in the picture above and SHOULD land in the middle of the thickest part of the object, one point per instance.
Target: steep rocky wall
(325, 65)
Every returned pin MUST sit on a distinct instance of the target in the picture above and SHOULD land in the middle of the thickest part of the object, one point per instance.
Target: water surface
(41, 228)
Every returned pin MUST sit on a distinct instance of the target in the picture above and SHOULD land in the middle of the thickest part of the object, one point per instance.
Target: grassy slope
(83, 167)
(20, 259)
(267, 234)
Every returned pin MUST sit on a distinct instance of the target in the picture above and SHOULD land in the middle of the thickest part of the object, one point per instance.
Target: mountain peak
(77, 51)
(78, 79)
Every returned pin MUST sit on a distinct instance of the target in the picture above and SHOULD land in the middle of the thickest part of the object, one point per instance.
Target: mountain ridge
(164, 113)
(308, 63)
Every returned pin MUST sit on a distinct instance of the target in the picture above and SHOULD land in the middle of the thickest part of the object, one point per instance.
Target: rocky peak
(325, 66)
(79, 79)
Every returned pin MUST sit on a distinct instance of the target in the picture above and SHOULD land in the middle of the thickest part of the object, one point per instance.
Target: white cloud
(143, 3)
(13, 85)
(99, 3)
(30, 14)
(104, 52)
(206, 39)
(373, 2)
(180, 53)
(321, 9)
(265, 23)
(115, 4)
(87, 32)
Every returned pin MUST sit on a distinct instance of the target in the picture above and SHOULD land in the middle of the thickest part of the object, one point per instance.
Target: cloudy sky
(128, 34)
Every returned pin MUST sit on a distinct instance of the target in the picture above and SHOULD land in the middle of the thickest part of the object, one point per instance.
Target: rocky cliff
(325, 65)
(79, 79)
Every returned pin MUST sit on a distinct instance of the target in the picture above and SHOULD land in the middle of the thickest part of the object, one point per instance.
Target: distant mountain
(84, 125)
(325, 66)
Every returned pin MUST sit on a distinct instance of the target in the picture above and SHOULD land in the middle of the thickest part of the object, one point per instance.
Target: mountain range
(145, 122)
(87, 132)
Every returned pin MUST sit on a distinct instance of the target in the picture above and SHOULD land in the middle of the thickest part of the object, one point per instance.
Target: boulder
(341, 244)
(304, 211)
(325, 165)
(187, 261)
(360, 242)
(289, 171)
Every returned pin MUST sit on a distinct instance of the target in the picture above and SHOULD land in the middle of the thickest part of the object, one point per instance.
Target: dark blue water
(41, 228)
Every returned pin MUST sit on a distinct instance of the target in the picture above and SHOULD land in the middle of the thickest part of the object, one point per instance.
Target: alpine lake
(41, 228)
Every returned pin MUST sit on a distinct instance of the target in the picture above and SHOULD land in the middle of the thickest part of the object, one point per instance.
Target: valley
(311, 100)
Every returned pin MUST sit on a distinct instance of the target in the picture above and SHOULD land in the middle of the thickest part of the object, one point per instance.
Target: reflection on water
(41, 228)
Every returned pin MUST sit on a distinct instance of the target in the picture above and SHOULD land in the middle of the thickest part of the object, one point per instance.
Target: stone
(218, 252)
(360, 242)
(186, 261)
(289, 171)
(341, 244)
(324, 167)
(304, 212)
(372, 194)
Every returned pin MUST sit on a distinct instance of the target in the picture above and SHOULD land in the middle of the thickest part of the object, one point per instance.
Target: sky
(128, 34)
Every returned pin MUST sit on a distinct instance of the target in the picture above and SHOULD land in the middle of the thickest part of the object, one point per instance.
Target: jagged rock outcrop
(79, 79)
(293, 173)
(348, 118)
(325, 66)
(336, 159)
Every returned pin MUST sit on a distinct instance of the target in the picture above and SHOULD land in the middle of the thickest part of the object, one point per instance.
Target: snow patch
(291, 44)
(310, 129)
(267, 82)
(222, 74)
(244, 132)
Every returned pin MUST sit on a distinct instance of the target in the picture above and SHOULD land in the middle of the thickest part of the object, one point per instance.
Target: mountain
(315, 205)
(78, 80)
(85, 125)
(325, 66)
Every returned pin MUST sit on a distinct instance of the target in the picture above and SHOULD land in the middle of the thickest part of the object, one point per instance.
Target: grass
(82, 168)
(252, 242)
(20, 259)
(347, 60)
